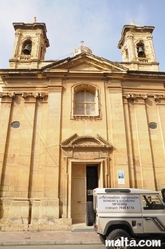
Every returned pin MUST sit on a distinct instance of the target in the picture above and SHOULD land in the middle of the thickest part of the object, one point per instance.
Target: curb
(40, 242)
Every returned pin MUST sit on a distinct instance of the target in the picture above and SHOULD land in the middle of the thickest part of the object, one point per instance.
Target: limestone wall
(36, 170)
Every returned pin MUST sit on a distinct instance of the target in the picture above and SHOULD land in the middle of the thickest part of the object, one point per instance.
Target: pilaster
(117, 134)
(155, 113)
(18, 164)
(6, 100)
(141, 151)
(129, 138)
(130, 47)
(51, 174)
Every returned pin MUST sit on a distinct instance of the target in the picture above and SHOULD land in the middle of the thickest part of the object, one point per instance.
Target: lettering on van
(118, 203)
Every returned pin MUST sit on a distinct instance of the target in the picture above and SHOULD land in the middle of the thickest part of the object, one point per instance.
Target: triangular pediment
(85, 62)
(76, 141)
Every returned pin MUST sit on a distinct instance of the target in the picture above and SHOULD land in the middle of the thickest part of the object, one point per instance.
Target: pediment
(76, 141)
(85, 62)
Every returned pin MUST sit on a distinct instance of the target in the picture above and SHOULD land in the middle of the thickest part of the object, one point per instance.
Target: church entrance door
(84, 180)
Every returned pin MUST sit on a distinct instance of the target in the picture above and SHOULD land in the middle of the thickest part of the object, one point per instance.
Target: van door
(153, 212)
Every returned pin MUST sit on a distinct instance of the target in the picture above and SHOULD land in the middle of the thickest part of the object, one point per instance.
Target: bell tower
(137, 48)
(29, 46)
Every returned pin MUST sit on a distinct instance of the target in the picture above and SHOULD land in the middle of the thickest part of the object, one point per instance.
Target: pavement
(74, 237)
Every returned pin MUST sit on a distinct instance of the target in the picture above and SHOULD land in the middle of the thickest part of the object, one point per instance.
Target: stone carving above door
(85, 141)
(86, 147)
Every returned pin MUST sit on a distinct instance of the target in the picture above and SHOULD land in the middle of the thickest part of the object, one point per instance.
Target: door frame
(100, 163)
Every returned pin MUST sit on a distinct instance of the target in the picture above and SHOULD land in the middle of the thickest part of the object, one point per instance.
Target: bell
(140, 51)
(27, 49)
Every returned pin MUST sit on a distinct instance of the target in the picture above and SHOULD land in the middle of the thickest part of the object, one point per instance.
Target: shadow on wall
(1, 209)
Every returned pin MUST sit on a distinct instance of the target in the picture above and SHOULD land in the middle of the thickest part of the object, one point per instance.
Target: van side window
(152, 202)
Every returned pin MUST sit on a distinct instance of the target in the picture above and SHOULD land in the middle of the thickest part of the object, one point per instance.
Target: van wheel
(102, 238)
(89, 213)
(116, 235)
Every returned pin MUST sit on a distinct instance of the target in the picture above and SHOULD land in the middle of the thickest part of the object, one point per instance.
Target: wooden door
(78, 193)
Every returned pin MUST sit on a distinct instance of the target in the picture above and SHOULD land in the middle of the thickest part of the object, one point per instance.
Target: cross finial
(132, 22)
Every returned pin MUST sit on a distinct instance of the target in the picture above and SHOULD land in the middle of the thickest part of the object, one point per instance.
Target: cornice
(134, 28)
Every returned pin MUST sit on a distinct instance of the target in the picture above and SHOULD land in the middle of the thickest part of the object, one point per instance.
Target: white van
(128, 212)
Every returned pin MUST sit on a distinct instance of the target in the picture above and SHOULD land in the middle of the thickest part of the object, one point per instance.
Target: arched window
(27, 47)
(85, 101)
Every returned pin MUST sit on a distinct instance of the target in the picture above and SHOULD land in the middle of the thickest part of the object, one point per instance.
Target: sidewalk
(74, 237)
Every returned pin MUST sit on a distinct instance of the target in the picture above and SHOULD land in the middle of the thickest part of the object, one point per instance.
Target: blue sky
(97, 22)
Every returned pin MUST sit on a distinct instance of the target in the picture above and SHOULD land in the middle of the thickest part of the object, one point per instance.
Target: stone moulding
(76, 141)
(143, 96)
(40, 95)
(25, 95)
(7, 94)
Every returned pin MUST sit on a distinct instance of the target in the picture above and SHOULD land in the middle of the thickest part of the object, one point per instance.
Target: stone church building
(70, 125)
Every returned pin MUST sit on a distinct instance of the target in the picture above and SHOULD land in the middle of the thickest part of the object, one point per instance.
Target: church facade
(71, 125)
